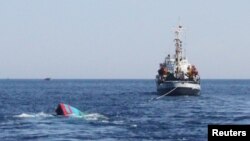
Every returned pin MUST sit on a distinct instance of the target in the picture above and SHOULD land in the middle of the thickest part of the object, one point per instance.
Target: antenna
(179, 20)
(178, 45)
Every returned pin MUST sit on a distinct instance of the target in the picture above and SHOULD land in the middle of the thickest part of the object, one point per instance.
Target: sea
(124, 110)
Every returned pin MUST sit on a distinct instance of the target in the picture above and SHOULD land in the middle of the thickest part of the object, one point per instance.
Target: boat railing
(159, 80)
(182, 81)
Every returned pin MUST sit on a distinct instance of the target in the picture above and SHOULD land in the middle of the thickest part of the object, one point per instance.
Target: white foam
(33, 115)
(134, 125)
(95, 116)
(90, 116)
(118, 122)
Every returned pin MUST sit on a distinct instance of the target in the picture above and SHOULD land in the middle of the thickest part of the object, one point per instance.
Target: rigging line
(155, 98)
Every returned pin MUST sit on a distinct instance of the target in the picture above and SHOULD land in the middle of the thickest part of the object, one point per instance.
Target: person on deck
(189, 73)
(162, 72)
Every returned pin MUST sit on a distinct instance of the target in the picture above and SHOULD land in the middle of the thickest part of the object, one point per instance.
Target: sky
(121, 39)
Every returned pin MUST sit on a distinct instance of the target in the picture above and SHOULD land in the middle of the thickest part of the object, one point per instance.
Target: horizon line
(113, 78)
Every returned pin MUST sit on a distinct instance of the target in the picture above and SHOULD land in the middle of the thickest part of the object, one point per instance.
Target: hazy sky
(121, 38)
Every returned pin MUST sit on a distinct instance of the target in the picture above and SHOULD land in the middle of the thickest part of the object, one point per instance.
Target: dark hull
(180, 91)
(176, 88)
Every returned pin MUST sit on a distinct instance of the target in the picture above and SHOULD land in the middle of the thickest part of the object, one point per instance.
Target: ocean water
(117, 110)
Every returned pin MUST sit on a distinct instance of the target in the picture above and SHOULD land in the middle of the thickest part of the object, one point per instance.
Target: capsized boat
(68, 111)
(47, 79)
(176, 75)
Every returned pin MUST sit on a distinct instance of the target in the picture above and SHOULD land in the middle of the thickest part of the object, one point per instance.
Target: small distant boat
(176, 75)
(68, 111)
(47, 79)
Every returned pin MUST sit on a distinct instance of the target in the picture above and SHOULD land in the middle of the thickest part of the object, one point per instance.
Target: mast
(178, 47)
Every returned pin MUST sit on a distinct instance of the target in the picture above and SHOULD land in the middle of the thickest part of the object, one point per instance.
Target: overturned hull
(67, 110)
(176, 88)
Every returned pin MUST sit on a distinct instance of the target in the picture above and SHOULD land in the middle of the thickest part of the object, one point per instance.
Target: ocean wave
(95, 116)
(90, 116)
(33, 115)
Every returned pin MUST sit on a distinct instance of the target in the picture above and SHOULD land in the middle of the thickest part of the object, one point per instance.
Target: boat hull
(176, 88)
(68, 111)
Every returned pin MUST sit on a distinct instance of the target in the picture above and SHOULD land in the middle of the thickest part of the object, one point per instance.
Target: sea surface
(117, 110)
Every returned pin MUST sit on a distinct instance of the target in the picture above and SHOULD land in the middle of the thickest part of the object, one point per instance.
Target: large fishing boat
(176, 75)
